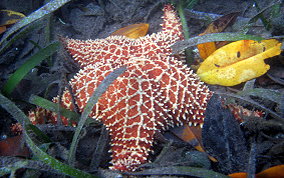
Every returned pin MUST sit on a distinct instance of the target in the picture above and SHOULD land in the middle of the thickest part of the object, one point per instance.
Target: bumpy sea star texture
(156, 91)
(240, 112)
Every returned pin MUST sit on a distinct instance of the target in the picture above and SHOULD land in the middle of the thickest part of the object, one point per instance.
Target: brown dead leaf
(219, 25)
(13, 146)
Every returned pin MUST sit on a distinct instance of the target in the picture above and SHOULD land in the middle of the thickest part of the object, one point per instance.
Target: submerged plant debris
(34, 68)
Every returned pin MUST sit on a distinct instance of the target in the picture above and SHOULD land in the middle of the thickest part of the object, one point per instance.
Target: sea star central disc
(155, 92)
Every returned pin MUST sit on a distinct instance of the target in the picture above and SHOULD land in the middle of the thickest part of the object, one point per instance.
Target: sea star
(156, 91)
(240, 112)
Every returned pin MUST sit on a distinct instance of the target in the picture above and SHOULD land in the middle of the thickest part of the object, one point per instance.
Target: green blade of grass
(39, 133)
(89, 107)
(14, 110)
(41, 155)
(12, 168)
(51, 106)
(274, 7)
(10, 164)
(21, 34)
(184, 171)
(28, 65)
(180, 9)
(189, 4)
(212, 37)
(41, 12)
(54, 163)
(4, 171)
(269, 94)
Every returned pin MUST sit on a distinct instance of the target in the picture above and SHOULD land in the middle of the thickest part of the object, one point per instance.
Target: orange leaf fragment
(238, 175)
(206, 49)
(275, 171)
(133, 31)
(191, 134)
(2, 29)
(219, 25)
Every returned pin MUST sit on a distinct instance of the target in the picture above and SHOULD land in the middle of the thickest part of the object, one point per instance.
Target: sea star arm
(171, 27)
(114, 49)
(118, 49)
(154, 93)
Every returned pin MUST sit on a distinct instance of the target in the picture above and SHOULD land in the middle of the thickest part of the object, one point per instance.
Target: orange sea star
(156, 91)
